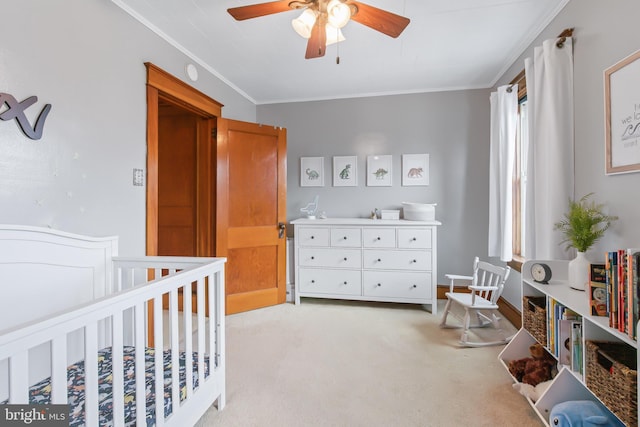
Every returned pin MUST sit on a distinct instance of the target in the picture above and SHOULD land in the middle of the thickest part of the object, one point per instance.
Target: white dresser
(366, 259)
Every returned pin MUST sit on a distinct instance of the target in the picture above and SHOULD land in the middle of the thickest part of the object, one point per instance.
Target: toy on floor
(585, 413)
(533, 370)
(532, 392)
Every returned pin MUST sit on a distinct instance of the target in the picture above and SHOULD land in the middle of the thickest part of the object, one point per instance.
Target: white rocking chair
(486, 286)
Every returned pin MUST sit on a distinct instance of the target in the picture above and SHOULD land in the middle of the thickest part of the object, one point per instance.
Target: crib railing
(120, 319)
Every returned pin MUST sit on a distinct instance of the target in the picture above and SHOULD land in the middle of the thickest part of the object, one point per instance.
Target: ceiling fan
(322, 20)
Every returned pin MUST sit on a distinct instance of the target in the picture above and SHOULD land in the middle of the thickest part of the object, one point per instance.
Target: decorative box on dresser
(366, 259)
(567, 385)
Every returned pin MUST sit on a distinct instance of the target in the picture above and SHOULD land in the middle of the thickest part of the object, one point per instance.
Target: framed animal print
(379, 171)
(345, 171)
(415, 169)
(312, 171)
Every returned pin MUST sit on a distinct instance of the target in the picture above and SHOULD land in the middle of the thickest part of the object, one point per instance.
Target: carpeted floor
(340, 363)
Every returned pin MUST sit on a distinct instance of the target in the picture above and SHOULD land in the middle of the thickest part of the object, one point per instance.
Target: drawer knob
(414, 261)
(313, 257)
(345, 237)
(379, 260)
(414, 239)
(344, 283)
(379, 284)
(313, 281)
(312, 237)
(378, 238)
(345, 258)
(414, 286)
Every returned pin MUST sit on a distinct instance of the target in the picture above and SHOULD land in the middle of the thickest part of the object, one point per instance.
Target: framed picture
(379, 171)
(312, 171)
(415, 169)
(345, 171)
(622, 115)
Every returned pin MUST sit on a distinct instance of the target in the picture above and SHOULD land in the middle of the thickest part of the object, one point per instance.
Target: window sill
(516, 263)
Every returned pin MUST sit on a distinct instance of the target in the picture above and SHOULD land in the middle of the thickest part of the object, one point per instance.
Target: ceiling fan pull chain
(337, 47)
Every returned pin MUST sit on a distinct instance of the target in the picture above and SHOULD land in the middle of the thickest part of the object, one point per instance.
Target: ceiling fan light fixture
(339, 13)
(334, 35)
(304, 23)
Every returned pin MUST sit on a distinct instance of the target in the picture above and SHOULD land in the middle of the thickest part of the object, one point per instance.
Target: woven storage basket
(611, 375)
(534, 317)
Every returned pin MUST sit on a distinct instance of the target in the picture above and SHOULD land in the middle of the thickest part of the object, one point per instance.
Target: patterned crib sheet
(41, 392)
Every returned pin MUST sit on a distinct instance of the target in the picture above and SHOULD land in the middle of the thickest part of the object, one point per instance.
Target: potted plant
(582, 226)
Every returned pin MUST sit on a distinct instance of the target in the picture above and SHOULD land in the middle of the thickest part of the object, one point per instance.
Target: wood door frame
(163, 86)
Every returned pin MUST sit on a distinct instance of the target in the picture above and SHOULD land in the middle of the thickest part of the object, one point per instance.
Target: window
(519, 178)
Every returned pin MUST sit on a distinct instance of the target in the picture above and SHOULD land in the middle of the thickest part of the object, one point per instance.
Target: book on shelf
(622, 284)
(598, 289)
(576, 347)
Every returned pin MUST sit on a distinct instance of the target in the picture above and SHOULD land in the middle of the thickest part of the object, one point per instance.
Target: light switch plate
(138, 177)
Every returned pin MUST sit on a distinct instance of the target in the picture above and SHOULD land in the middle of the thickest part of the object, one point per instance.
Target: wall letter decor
(16, 111)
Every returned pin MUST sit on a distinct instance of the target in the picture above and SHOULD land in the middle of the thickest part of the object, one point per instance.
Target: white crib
(70, 306)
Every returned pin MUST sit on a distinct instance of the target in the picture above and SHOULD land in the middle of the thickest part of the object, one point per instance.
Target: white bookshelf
(567, 385)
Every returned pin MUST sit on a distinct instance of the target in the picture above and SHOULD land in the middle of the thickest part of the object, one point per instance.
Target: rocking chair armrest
(455, 277)
(482, 288)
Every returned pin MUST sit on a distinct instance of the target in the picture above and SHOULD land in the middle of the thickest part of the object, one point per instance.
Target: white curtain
(550, 159)
(504, 118)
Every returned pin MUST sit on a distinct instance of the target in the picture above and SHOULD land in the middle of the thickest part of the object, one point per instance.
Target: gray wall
(85, 58)
(452, 127)
(605, 32)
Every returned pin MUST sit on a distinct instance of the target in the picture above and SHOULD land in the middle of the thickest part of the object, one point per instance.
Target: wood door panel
(251, 194)
(251, 269)
(253, 179)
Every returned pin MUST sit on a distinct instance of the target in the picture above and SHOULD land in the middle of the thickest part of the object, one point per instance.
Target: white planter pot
(579, 272)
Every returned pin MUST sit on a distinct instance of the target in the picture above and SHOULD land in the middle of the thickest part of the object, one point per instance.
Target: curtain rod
(568, 32)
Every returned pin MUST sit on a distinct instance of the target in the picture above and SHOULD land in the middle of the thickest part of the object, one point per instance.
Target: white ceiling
(449, 45)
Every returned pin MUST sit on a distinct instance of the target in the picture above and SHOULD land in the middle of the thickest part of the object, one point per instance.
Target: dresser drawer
(396, 260)
(312, 236)
(397, 285)
(379, 237)
(340, 282)
(346, 237)
(325, 257)
(414, 238)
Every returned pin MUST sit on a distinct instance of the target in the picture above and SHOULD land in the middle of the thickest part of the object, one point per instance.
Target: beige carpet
(340, 363)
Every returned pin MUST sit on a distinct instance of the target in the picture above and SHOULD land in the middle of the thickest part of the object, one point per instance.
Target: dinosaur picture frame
(311, 171)
(345, 171)
(379, 171)
(415, 169)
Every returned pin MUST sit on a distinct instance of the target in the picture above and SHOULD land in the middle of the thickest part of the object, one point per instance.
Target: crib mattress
(40, 393)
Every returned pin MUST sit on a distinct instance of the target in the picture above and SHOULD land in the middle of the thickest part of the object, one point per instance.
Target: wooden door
(251, 213)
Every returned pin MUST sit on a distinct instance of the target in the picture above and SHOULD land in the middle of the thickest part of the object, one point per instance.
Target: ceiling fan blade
(317, 44)
(256, 10)
(380, 20)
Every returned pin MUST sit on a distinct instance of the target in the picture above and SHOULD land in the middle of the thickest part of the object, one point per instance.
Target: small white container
(419, 211)
(390, 214)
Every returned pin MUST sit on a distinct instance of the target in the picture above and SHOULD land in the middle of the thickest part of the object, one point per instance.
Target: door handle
(281, 229)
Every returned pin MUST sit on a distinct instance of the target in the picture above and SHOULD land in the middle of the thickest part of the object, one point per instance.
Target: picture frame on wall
(312, 171)
(622, 116)
(415, 169)
(345, 171)
(379, 171)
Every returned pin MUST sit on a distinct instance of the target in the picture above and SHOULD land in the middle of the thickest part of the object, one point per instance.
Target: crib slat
(218, 332)
(59, 370)
(188, 339)
(141, 409)
(91, 373)
(158, 336)
(175, 350)
(200, 297)
(118, 370)
(19, 378)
